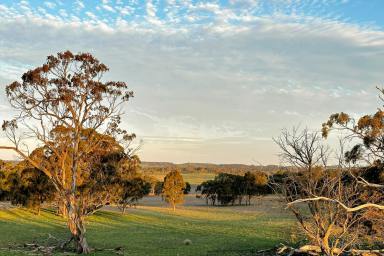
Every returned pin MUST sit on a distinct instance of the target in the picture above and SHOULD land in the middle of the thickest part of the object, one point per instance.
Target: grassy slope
(153, 230)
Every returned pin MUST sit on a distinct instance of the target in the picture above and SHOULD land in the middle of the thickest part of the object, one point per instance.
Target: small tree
(173, 188)
(30, 188)
(208, 189)
(254, 184)
(6, 170)
(187, 188)
(132, 191)
(158, 189)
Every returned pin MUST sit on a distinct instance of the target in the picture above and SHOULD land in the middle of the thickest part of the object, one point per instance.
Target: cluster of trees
(228, 188)
(26, 186)
(113, 179)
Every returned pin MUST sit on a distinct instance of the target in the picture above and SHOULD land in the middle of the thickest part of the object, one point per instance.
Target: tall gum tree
(66, 93)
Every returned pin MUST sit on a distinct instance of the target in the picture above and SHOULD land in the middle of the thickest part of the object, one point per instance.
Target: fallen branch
(358, 252)
(316, 250)
(348, 209)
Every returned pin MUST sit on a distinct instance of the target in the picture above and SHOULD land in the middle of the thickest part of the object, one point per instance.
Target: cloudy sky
(214, 81)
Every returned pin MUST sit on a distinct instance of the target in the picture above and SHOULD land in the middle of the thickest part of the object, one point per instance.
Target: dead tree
(326, 202)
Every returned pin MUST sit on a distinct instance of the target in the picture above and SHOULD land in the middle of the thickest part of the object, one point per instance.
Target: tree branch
(348, 209)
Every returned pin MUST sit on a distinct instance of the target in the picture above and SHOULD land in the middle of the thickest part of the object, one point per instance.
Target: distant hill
(165, 167)
(208, 167)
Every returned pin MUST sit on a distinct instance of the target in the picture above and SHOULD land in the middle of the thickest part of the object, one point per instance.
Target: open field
(154, 229)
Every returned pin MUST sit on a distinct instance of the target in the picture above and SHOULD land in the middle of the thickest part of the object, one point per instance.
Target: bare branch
(348, 209)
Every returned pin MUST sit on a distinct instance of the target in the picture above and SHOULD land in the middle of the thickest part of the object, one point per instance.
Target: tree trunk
(325, 241)
(124, 207)
(76, 226)
(62, 209)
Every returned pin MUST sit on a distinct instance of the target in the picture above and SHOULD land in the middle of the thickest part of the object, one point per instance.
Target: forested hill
(207, 167)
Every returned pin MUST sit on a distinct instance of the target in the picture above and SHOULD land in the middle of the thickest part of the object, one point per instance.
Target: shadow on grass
(146, 231)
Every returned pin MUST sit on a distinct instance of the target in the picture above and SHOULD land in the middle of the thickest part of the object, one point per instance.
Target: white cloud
(63, 13)
(50, 5)
(108, 8)
(216, 83)
(79, 5)
(91, 15)
(151, 13)
(126, 10)
(11, 70)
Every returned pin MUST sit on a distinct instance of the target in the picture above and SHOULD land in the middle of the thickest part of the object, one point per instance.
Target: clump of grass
(187, 242)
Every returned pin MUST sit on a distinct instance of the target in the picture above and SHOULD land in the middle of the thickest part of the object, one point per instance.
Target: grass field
(153, 229)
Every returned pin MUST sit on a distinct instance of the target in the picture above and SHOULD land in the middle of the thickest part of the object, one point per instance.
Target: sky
(214, 81)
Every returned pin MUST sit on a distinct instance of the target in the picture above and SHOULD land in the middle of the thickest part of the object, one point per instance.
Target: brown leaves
(338, 118)
(372, 125)
(12, 87)
(67, 55)
(65, 86)
(11, 124)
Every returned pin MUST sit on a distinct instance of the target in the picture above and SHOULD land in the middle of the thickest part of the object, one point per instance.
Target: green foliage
(28, 187)
(228, 188)
(3, 180)
(133, 190)
(187, 188)
(111, 178)
(24, 185)
(158, 190)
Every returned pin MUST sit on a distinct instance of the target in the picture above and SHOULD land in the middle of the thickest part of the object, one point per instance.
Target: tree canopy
(173, 188)
(228, 188)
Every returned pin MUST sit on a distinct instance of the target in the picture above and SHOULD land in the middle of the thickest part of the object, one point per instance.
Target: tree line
(228, 188)
(111, 182)
(26, 186)
(239, 169)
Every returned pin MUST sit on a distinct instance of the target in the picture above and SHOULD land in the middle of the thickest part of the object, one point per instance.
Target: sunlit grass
(153, 230)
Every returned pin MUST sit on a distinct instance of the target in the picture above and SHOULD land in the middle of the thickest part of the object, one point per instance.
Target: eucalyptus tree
(173, 188)
(57, 103)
